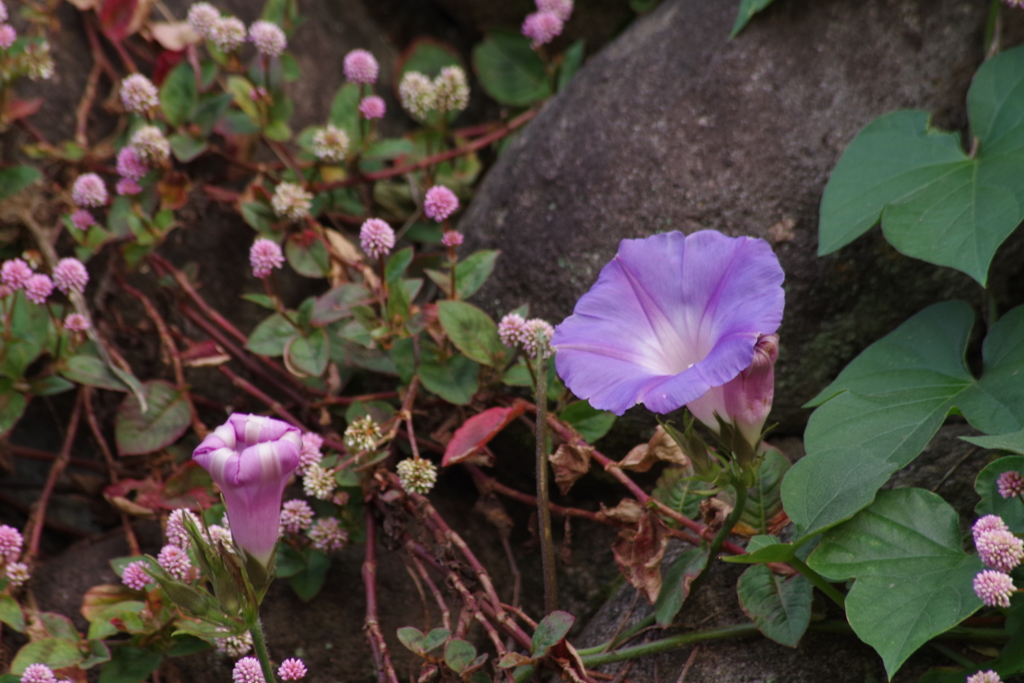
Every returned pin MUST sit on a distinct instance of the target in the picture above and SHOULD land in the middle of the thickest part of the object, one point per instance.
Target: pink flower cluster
(999, 549)
(10, 543)
(292, 669)
(515, 330)
(1010, 484)
(135, 576)
(361, 67)
(376, 238)
(70, 276)
(268, 38)
(372, 107)
(296, 516)
(439, 203)
(264, 257)
(7, 36)
(547, 22)
(247, 670)
(985, 677)
(310, 454)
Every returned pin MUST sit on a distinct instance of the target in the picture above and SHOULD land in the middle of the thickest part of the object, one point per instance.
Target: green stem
(670, 643)
(629, 633)
(723, 533)
(818, 580)
(547, 541)
(260, 645)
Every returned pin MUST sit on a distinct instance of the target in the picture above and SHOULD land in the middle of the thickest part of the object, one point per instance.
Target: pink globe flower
(296, 516)
(994, 588)
(292, 669)
(542, 27)
(38, 673)
(264, 257)
(1000, 549)
(511, 328)
(361, 67)
(15, 273)
(175, 560)
(127, 187)
(247, 670)
(327, 534)
(89, 190)
(669, 318)
(440, 203)
(70, 276)
(201, 17)
(1010, 484)
(138, 94)
(7, 36)
(17, 574)
(82, 219)
(76, 322)
(372, 107)
(130, 164)
(268, 38)
(376, 238)
(536, 337)
(986, 524)
(10, 543)
(135, 576)
(451, 238)
(38, 288)
(985, 677)
(3, 11)
(563, 8)
(251, 458)
(176, 531)
(227, 33)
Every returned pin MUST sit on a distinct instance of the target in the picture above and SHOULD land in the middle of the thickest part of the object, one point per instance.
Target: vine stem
(260, 646)
(547, 541)
(723, 533)
(385, 670)
(670, 643)
(818, 580)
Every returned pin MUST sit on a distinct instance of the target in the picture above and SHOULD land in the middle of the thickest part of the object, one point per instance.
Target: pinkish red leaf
(19, 109)
(478, 430)
(116, 16)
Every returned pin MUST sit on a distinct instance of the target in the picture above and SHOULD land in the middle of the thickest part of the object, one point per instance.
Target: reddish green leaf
(166, 418)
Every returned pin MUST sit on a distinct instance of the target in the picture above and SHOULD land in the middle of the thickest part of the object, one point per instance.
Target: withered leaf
(638, 554)
(628, 511)
(661, 447)
(570, 462)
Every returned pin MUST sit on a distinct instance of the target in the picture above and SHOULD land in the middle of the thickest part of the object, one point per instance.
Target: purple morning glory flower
(670, 317)
(251, 457)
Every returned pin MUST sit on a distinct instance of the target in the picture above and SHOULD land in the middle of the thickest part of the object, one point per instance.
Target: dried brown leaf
(638, 554)
(661, 447)
(628, 511)
(570, 462)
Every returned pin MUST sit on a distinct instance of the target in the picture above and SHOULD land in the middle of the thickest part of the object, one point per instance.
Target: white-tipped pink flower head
(201, 17)
(130, 164)
(327, 534)
(70, 276)
(296, 516)
(417, 475)
(138, 94)
(1010, 484)
(439, 203)
(176, 531)
(38, 673)
(746, 399)
(330, 143)
(318, 482)
(227, 33)
(175, 561)
(994, 588)
(536, 338)
(264, 256)
(135, 576)
(361, 67)
(372, 107)
(251, 458)
(10, 543)
(151, 145)
(38, 288)
(7, 36)
(376, 238)
(417, 95)
(76, 322)
(235, 646)
(1000, 549)
(14, 274)
(562, 8)
(82, 219)
(511, 328)
(247, 670)
(17, 573)
(985, 677)
(292, 669)
(291, 201)
(268, 38)
(988, 523)
(451, 238)
(310, 455)
(362, 434)
(89, 190)
(451, 90)
(542, 28)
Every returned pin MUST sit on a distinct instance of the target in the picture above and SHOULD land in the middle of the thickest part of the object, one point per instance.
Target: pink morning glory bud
(247, 670)
(38, 288)
(228, 33)
(17, 573)
(985, 677)
(291, 200)
(292, 669)
(372, 107)
(82, 219)
(1010, 484)
(127, 187)
(89, 190)
(511, 328)
(138, 94)
(451, 238)
(70, 276)
(151, 146)
(15, 274)
(994, 588)
(38, 673)
(135, 577)
(268, 38)
(542, 27)
(76, 322)
(7, 36)
(376, 238)
(264, 256)
(746, 399)
(201, 17)
(327, 534)
(563, 8)
(440, 203)
(296, 516)
(175, 560)
(251, 458)
(10, 543)
(130, 164)
(1000, 549)
(361, 67)
(986, 524)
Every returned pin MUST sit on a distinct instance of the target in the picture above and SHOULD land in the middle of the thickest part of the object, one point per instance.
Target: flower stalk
(547, 541)
(259, 644)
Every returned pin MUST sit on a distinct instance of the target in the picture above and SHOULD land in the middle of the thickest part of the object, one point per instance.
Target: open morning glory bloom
(251, 457)
(670, 317)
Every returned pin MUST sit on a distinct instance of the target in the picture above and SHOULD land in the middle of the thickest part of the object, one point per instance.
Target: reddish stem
(385, 671)
(248, 387)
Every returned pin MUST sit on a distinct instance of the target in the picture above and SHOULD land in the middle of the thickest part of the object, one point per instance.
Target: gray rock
(675, 127)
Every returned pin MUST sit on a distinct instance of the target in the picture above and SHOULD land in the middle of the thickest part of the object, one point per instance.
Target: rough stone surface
(674, 127)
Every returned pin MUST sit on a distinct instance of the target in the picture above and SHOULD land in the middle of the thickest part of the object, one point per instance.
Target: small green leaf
(572, 60)
(15, 179)
(991, 503)
(747, 10)
(345, 112)
(185, 645)
(510, 70)
(309, 354)
(590, 422)
(307, 254)
(455, 380)
(270, 336)
(53, 652)
(780, 607)
(435, 639)
(167, 417)
(471, 274)
(428, 57)
(11, 614)
(397, 264)
(12, 405)
(675, 489)
(288, 561)
(458, 654)
(336, 303)
(209, 110)
(472, 331)
(412, 638)
(186, 148)
(388, 149)
(308, 583)
(675, 585)
(259, 217)
(178, 94)
(240, 88)
(49, 386)
(261, 300)
(92, 372)
(130, 665)
(550, 631)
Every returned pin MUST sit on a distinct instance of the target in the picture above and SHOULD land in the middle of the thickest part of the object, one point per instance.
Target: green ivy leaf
(472, 331)
(178, 95)
(747, 10)
(884, 408)
(550, 631)
(15, 179)
(167, 417)
(510, 70)
(780, 607)
(270, 336)
(936, 202)
(913, 580)
(675, 585)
